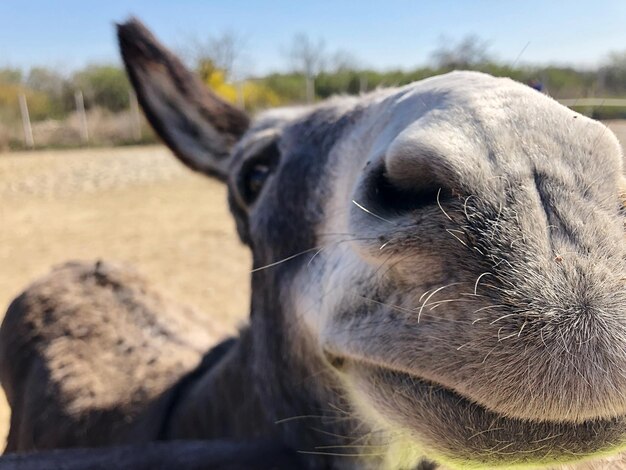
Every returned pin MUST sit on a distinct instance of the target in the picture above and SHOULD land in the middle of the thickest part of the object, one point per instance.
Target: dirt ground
(136, 205)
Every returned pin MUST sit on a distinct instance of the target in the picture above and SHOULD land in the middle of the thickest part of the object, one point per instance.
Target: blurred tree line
(314, 74)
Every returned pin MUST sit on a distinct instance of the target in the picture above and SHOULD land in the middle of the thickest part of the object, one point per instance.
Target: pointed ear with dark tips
(199, 127)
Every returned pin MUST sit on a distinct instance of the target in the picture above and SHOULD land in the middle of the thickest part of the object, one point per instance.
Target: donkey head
(446, 258)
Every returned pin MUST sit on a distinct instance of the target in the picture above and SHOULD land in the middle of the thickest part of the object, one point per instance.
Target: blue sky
(68, 34)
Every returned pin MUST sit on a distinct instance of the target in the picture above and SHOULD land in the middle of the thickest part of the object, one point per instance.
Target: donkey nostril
(400, 197)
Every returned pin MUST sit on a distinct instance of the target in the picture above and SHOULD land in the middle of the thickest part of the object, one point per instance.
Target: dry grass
(105, 128)
(136, 205)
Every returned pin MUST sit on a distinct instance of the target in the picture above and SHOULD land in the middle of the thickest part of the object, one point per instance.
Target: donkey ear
(198, 126)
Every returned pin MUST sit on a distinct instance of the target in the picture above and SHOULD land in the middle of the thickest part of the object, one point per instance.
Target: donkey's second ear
(198, 126)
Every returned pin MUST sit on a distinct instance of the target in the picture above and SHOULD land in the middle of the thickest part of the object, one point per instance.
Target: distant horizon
(70, 34)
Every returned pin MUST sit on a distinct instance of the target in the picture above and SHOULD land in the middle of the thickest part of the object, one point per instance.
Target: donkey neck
(246, 393)
(220, 398)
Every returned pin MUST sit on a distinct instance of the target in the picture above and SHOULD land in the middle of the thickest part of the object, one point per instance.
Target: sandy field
(136, 205)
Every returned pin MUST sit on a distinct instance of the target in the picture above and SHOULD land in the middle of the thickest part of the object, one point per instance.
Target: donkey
(438, 275)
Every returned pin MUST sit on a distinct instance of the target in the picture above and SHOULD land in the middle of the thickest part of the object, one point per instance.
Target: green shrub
(104, 85)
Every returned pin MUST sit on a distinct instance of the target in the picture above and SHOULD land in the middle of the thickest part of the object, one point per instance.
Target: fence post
(310, 88)
(82, 116)
(135, 119)
(363, 84)
(28, 130)
(241, 99)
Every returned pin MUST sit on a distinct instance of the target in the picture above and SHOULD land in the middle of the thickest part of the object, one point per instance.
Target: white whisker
(477, 281)
(371, 213)
(440, 206)
(276, 263)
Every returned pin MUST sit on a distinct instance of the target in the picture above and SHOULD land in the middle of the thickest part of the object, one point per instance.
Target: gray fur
(438, 272)
(59, 390)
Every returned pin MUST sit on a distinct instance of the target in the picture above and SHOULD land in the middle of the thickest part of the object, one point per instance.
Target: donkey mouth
(456, 429)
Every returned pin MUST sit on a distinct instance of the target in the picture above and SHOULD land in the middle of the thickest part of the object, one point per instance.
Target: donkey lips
(442, 418)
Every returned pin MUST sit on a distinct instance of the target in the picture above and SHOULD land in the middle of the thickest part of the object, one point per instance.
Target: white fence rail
(82, 127)
(594, 102)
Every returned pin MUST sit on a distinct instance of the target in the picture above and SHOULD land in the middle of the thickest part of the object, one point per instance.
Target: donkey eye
(256, 171)
(254, 180)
